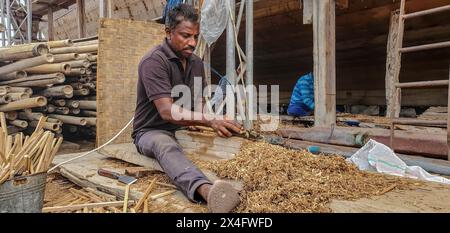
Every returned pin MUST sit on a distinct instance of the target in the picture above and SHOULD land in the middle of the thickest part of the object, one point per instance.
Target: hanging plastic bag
(214, 18)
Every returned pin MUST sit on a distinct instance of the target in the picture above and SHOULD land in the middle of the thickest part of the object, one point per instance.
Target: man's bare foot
(203, 191)
(222, 197)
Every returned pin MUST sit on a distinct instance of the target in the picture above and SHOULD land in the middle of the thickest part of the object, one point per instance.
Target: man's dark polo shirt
(159, 71)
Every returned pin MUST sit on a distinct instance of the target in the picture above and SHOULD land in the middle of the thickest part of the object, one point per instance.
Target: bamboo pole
(40, 83)
(91, 121)
(11, 115)
(50, 68)
(19, 123)
(13, 75)
(22, 104)
(26, 63)
(23, 51)
(79, 64)
(89, 105)
(70, 119)
(5, 99)
(76, 72)
(66, 57)
(59, 102)
(18, 96)
(89, 113)
(60, 43)
(47, 125)
(31, 116)
(62, 110)
(76, 49)
(81, 92)
(57, 91)
(4, 90)
(75, 111)
(21, 89)
(93, 58)
(58, 76)
(72, 104)
(76, 86)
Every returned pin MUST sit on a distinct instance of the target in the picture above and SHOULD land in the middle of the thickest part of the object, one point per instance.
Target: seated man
(157, 116)
(302, 100)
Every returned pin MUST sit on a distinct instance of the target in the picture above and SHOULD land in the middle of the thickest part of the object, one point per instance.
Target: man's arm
(184, 117)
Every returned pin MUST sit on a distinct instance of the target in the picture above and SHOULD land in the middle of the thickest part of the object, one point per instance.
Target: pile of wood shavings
(277, 179)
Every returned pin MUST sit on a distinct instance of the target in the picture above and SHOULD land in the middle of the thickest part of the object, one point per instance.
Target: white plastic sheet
(214, 19)
(377, 157)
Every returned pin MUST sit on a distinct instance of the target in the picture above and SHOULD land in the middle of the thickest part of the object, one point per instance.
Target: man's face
(183, 38)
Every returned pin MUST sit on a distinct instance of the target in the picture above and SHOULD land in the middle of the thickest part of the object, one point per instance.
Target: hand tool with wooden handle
(114, 175)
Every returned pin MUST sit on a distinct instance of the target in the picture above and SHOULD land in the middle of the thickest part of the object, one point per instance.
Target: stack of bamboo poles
(55, 79)
(26, 155)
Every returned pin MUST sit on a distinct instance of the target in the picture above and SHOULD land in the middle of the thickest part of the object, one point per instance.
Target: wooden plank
(82, 206)
(392, 63)
(127, 152)
(325, 62)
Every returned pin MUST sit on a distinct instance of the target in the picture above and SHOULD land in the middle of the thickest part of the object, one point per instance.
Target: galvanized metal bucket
(23, 194)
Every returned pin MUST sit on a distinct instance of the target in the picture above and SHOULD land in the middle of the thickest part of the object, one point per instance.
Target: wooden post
(81, 19)
(325, 62)
(395, 110)
(393, 65)
(51, 36)
(448, 118)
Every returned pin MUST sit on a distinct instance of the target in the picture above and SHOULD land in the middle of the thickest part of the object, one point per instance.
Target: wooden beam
(325, 62)
(392, 64)
(50, 33)
(81, 18)
(307, 11)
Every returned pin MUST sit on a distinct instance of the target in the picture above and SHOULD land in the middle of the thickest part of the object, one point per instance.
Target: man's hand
(223, 127)
(193, 128)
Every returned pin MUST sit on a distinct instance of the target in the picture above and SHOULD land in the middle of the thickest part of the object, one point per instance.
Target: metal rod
(249, 46)
(8, 19)
(418, 122)
(436, 83)
(231, 60)
(231, 51)
(29, 21)
(2, 3)
(425, 47)
(427, 12)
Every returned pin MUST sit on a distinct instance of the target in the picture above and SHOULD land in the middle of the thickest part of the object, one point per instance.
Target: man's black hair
(180, 13)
